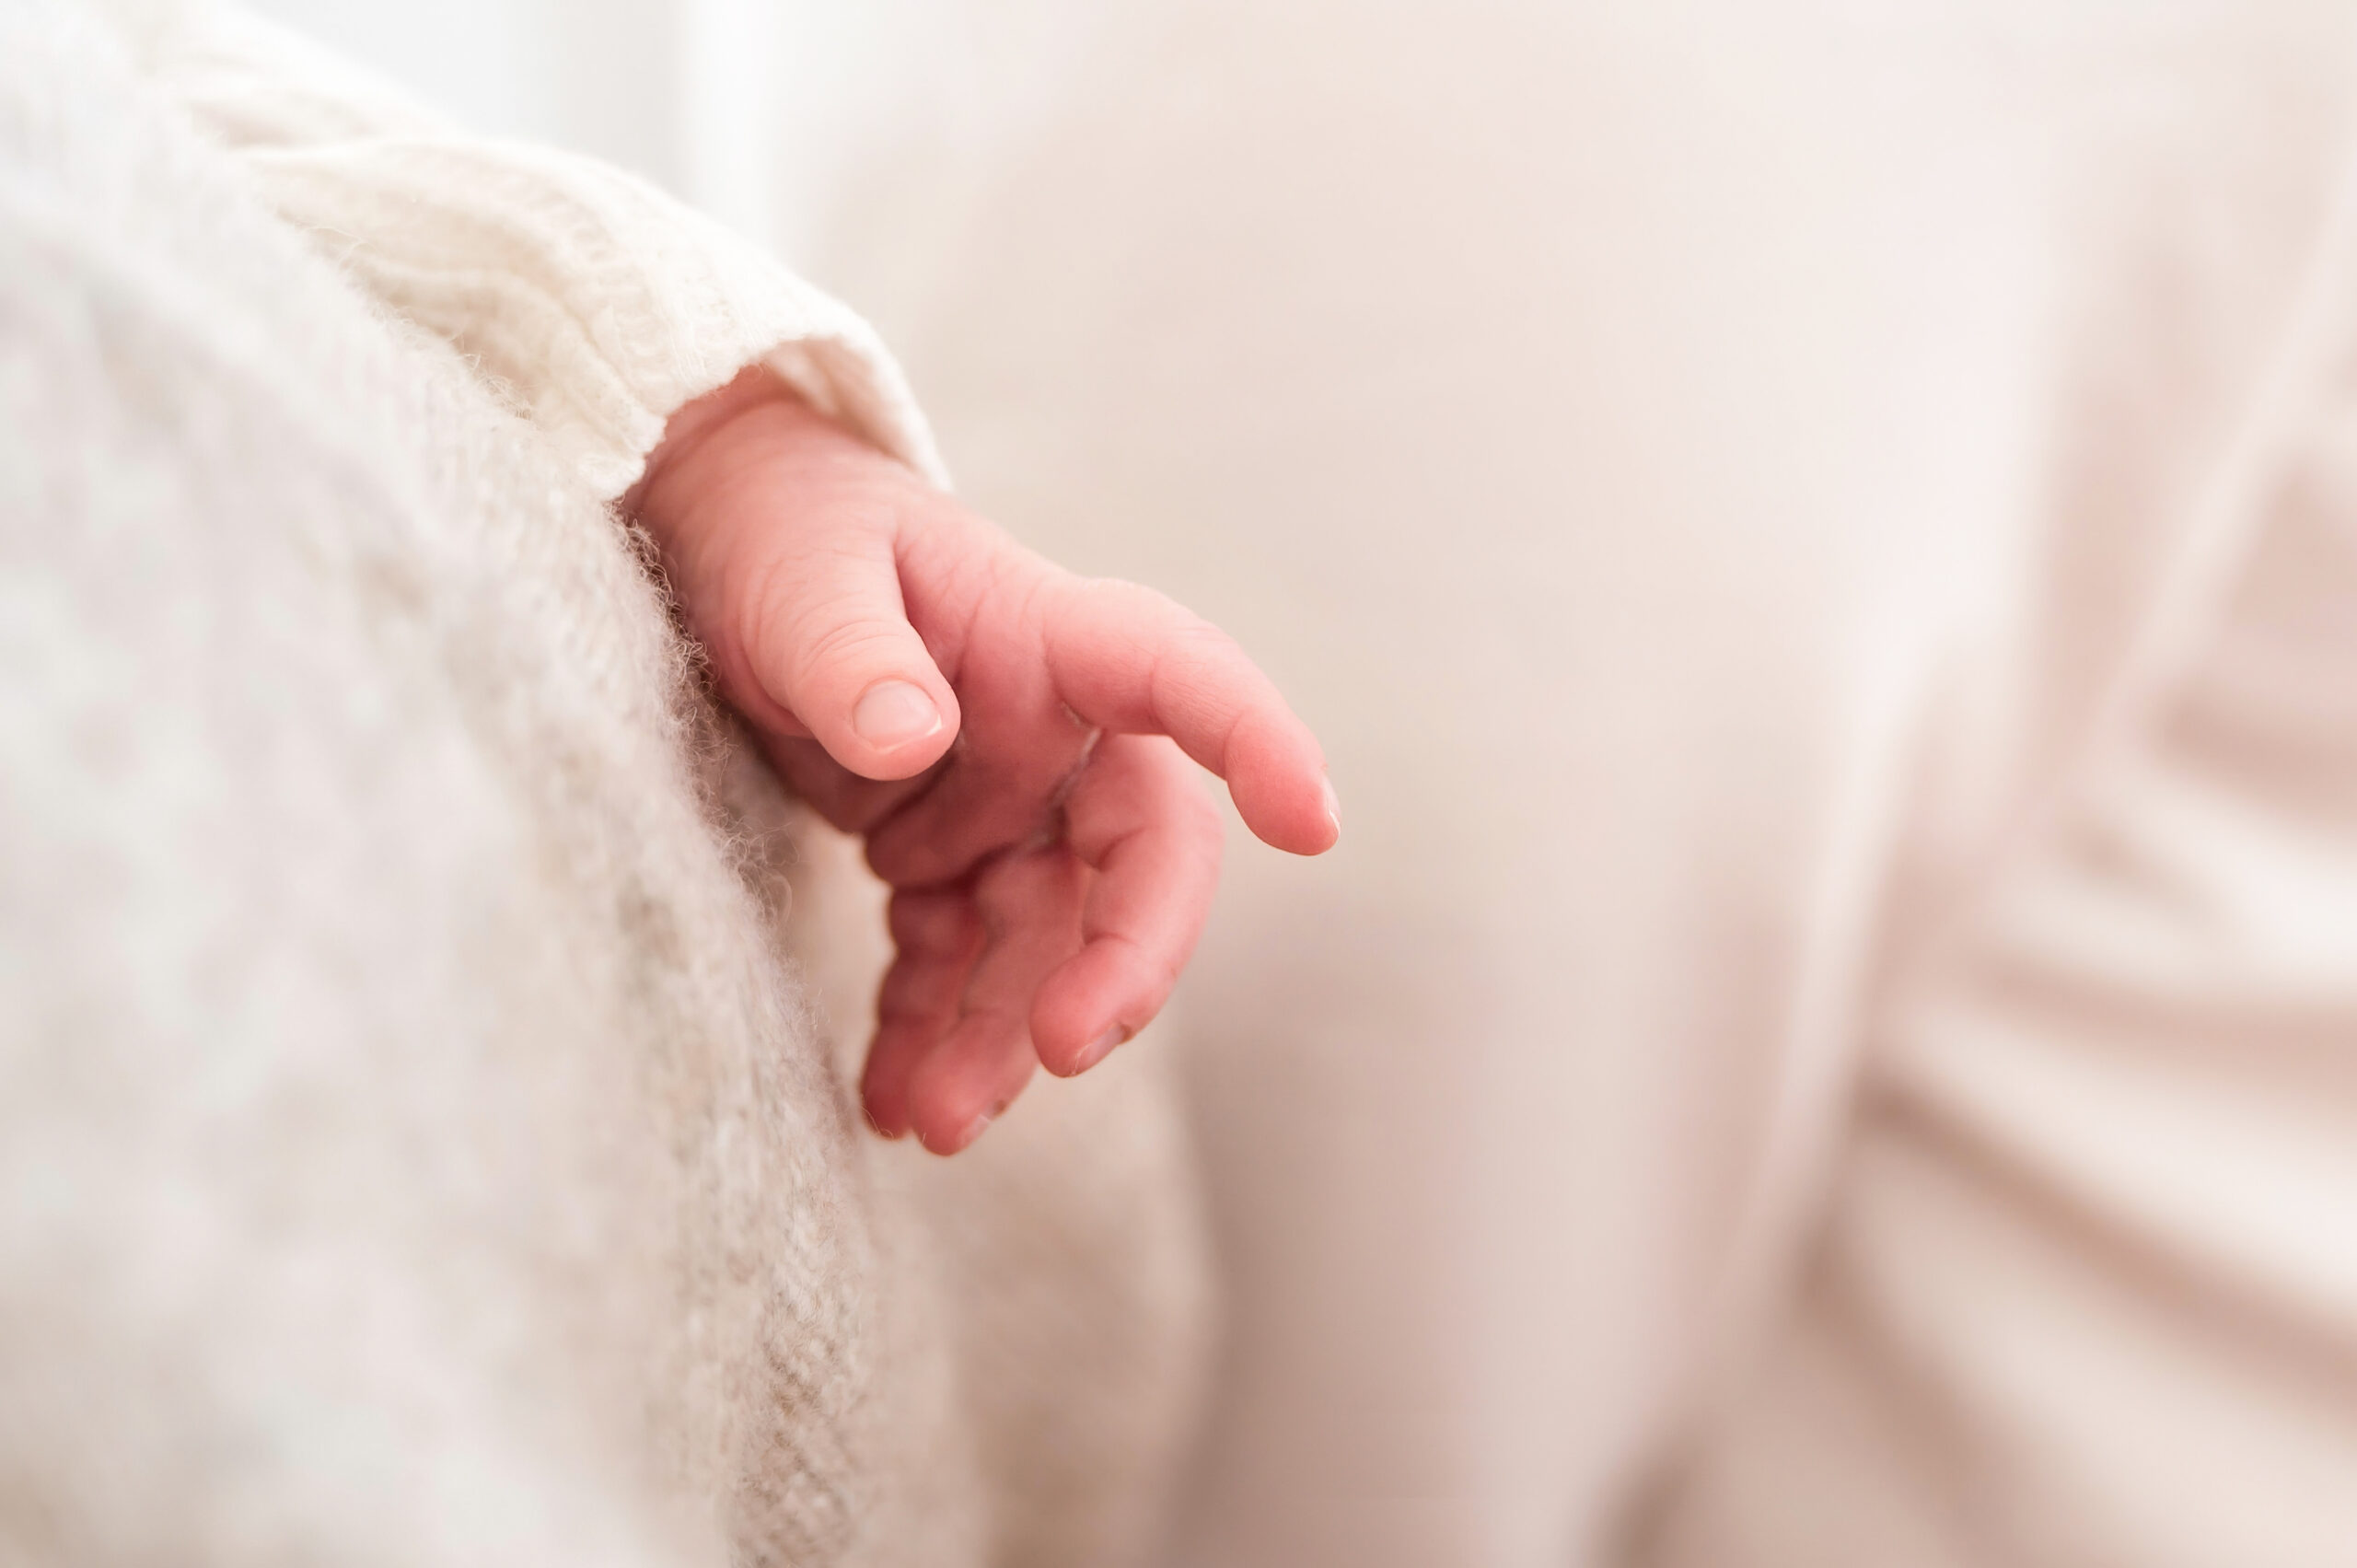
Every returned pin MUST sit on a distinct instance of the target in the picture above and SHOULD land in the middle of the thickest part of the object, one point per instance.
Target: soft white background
(752, 109)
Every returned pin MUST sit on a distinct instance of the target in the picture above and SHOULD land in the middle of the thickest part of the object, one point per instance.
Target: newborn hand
(1000, 731)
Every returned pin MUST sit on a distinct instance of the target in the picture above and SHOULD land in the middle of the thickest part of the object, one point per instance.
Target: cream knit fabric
(413, 1148)
(596, 303)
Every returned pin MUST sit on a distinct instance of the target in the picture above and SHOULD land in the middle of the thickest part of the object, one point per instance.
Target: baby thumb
(834, 646)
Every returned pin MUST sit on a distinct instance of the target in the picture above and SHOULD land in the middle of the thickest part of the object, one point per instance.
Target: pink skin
(926, 682)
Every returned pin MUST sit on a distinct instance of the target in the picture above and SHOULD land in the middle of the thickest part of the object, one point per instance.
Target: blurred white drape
(694, 95)
(754, 111)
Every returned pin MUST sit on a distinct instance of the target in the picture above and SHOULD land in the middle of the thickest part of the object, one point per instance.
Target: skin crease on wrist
(1011, 741)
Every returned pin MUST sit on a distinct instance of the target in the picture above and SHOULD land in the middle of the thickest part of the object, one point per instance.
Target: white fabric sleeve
(594, 302)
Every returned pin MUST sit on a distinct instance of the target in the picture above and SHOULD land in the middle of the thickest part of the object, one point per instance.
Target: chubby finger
(1139, 818)
(936, 936)
(1127, 658)
(780, 530)
(1030, 905)
(1020, 751)
(826, 638)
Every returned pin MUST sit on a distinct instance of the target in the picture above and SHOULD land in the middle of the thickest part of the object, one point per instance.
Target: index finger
(1128, 660)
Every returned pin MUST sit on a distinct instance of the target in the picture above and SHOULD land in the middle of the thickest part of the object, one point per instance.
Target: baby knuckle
(823, 652)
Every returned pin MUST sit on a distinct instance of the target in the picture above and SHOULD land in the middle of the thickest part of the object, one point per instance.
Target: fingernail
(1334, 806)
(1099, 1048)
(974, 1129)
(894, 713)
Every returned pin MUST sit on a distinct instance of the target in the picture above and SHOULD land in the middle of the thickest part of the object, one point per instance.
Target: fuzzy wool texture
(416, 1143)
(595, 304)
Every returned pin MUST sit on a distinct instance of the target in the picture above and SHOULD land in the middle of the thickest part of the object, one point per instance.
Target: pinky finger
(937, 934)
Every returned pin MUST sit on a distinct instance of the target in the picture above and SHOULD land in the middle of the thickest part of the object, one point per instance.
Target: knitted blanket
(416, 1144)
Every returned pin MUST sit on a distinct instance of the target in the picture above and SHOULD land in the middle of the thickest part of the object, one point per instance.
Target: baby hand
(1000, 731)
